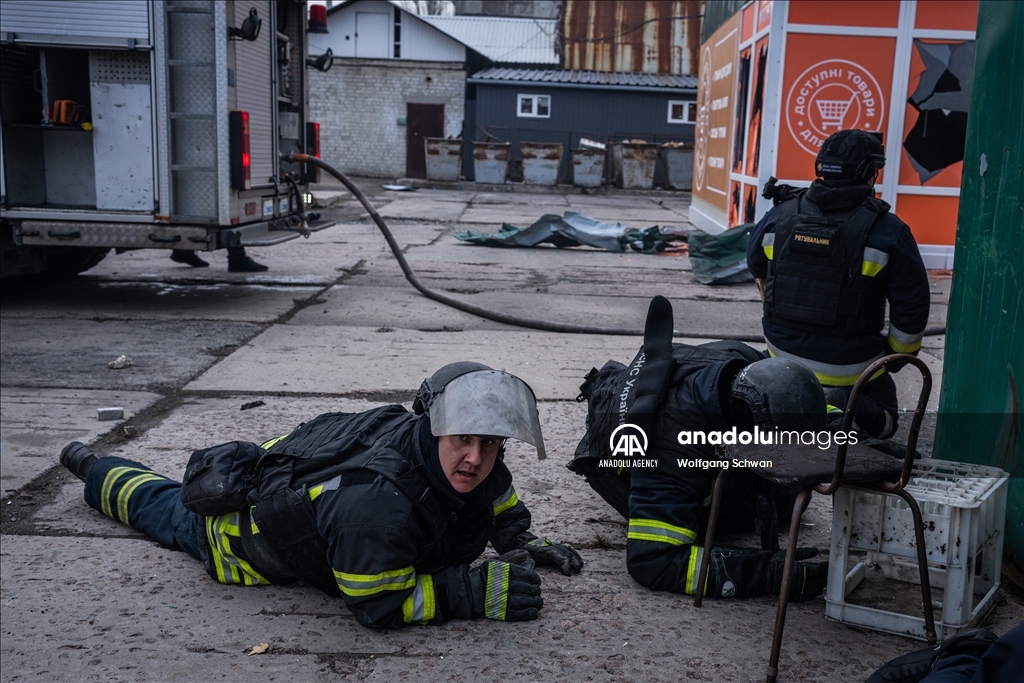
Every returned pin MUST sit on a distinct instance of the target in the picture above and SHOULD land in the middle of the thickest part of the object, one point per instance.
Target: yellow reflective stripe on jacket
(506, 501)
(229, 568)
(692, 569)
(904, 342)
(768, 244)
(829, 374)
(496, 590)
(420, 607)
(267, 445)
(659, 532)
(356, 585)
(874, 261)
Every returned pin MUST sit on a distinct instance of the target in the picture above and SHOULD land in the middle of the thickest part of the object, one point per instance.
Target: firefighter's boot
(78, 459)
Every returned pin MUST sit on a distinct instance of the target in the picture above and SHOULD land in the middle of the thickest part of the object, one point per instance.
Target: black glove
(506, 589)
(545, 552)
(744, 573)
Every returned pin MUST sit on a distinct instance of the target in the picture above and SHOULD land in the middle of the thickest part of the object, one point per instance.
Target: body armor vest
(289, 545)
(814, 281)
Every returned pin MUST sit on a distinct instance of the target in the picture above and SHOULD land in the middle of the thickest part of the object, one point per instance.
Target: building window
(682, 111)
(534, 106)
(398, 34)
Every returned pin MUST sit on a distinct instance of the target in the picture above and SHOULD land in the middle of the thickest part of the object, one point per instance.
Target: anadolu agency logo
(628, 444)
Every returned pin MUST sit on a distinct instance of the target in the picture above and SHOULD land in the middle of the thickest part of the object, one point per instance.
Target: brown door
(421, 121)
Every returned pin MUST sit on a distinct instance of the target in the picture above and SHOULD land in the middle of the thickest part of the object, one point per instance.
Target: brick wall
(358, 104)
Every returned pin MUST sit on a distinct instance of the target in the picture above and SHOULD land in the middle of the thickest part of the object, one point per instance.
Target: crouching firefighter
(384, 508)
(826, 260)
(676, 395)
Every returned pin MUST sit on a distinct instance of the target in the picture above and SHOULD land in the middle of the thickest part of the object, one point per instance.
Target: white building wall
(359, 102)
(419, 40)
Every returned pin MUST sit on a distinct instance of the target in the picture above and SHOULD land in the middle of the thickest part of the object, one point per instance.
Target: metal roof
(505, 40)
(605, 80)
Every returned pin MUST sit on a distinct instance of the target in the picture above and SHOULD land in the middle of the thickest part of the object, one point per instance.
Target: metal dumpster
(638, 160)
(444, 158)
(587, 167)
(678, 165)
(541, 161)
(490, 161)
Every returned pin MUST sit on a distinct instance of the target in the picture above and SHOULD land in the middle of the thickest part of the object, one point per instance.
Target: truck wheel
(70, 261)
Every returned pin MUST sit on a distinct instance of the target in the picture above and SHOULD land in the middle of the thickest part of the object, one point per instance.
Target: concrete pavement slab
(38, 423)
(296, 262)
(367, 234)
(126, 610)
(520, 199)
(75, 353)
(115, 300)
(406, 308)
(298, 358)
(420, 207)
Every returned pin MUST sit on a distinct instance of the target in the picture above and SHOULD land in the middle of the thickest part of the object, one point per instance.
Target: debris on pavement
(576, 229)
(252, 404)
(120, 362)
(113, 413)
(259, 649)
(721, 259)
(398, 188)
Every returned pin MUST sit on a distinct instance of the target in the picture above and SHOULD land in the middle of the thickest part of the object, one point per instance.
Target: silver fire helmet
(471, 398)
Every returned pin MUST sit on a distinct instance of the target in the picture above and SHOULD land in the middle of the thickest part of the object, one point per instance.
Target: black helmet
(471, 398)
(852, 155)
(781, 393)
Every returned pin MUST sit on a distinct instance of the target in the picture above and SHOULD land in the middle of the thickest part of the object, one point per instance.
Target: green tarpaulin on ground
(721, 259)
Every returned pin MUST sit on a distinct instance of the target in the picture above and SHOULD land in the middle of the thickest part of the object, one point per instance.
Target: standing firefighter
(827, 259)
(384, 508)
(674, 389)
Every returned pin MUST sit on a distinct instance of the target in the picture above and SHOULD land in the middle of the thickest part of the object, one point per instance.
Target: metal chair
(811, 469)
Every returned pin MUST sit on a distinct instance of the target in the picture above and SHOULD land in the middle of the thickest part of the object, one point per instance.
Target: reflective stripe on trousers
(135, 495)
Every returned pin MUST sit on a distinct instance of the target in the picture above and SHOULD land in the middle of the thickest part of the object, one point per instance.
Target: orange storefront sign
(714, 133)
(831, 83)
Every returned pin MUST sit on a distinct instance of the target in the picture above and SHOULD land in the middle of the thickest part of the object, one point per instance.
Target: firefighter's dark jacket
(394, 560)
(891, 260)
(666, 501)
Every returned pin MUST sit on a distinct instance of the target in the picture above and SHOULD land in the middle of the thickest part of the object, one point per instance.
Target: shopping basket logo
(833, 95)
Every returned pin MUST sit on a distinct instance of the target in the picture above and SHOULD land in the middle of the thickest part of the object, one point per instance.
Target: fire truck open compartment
(153, 123)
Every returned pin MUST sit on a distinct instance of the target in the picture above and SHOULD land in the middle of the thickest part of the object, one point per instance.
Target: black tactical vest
(814, 279)
(289, 545)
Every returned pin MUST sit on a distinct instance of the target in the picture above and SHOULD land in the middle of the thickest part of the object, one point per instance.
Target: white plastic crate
(963, 507)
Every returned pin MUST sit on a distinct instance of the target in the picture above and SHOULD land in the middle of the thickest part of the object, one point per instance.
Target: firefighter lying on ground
(670, 389)
(826, 260)
(384, 508)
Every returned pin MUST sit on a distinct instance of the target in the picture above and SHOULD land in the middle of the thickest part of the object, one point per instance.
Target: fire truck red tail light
(313, 149)
(241, 161)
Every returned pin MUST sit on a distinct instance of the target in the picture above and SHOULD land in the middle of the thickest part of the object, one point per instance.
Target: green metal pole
(979, 417)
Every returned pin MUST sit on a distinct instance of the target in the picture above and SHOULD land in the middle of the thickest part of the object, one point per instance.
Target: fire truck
(152, 124)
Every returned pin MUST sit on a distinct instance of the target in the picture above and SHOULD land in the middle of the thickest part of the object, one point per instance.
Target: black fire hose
(547, 326)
